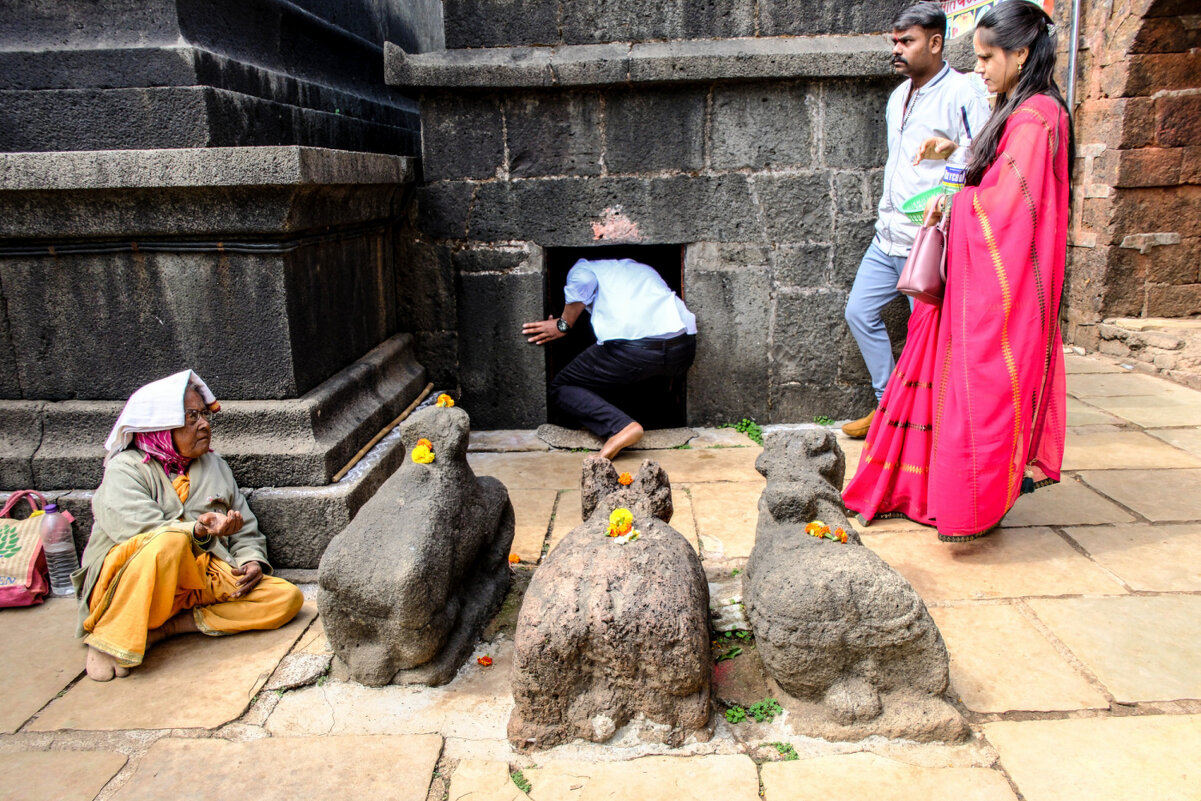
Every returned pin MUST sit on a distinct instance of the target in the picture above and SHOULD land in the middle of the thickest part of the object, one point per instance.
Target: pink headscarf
(159, 445)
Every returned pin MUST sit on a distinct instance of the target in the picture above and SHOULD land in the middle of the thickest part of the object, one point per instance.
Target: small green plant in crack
(521, 781)
(685, 447)
(765, 710)
(735, 715)
(822, 420)
(785, 750)
(734, 572)
(749, 427)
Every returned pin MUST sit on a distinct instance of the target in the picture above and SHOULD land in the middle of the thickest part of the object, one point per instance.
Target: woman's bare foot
(182, 623)
(622, 439)
(103, 667)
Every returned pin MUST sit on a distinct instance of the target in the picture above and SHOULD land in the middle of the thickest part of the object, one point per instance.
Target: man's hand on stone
(251, 573)
(215, 524)
(936, 147)
(542, 331)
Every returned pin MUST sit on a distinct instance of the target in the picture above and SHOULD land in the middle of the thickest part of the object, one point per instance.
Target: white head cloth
(154, 407)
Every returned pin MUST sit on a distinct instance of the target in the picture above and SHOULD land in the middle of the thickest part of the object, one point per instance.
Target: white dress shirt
(951, 105)
(627, 300)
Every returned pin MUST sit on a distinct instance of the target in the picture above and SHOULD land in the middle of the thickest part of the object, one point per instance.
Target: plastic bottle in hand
(59, 544)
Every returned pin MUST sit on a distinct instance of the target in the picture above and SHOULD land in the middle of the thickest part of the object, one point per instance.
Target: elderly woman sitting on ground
(174, 548)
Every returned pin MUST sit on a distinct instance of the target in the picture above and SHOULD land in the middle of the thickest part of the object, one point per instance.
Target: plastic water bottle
(59, 545)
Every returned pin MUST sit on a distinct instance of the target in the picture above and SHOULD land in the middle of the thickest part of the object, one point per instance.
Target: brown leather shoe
(857, 429)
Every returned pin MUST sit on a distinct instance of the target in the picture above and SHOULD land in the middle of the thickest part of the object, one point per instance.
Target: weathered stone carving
(611, 633)
(837, 628)
(406, 588)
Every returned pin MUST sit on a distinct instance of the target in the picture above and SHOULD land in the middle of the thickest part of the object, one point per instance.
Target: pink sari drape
(978, 393)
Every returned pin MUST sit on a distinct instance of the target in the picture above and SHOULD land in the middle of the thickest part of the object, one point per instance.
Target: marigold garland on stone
(625, 479)
(621, 522)
(822, 531)
(485, 661)
(514, 559)
(423, 455)
(444, 401)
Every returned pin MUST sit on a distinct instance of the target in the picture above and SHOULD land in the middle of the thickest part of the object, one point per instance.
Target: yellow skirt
(148, 579)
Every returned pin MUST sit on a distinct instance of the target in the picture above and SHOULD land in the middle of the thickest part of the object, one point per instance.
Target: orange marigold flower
(625, 479)
(817, 528)
(514, 559)
(422, 455)
(444, 401)
(620, 522)
(485, 661)
(426, 443)
(840, 534)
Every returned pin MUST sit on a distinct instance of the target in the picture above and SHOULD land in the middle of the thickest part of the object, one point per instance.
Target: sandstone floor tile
(1102, 759)
(530, 470)
(533, 508)
(1085, 414)
(721, 438)
(505, 441)
(1151, 558)
(726, 516)
(867, 776)
(1076, 364)
(1123, 383)
(852, 449)
(1159, 495)
(56, 775)
(314, 640)
(1119, 450)
(164, 692)
(392, 768)
(1009, 563)
(887, 525)
(1142, 648)
(567, 515)
(475, 705)
(483, 780)
(659, 778)
(1067, 503)
(40, 656)
(1001, 663)
(697, 465)
(1187, 439)
(1154, 411)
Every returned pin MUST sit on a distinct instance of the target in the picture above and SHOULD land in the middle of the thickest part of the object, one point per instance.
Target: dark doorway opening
(657, 403)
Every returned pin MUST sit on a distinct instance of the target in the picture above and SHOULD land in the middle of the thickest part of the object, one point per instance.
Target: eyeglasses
(190, 416)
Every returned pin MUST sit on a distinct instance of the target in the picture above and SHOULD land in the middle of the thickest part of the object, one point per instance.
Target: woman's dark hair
(1012, 25)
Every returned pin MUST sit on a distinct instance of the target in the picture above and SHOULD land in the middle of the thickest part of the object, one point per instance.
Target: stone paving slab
(165, 692)
(1154, 411)
(40, 656)
(568, 516)
(483, 780)
(699, 465)
(530, 470)
(726, 516)
(1102, 759)
(475, 705)
(1001, 663)
(1118, 450)
(505, 441)
(1101, 385)
(1148, 558)
(867, 776)
(1158, 495)
(1068, 503)
(532, 508)
(1075, 364)
(1009, 563)
(1187, 439)
(721, 438)
(658, 778)
(1080, 413)
(654, 439)
(387, 768)
(1142, 648)
(56, 775)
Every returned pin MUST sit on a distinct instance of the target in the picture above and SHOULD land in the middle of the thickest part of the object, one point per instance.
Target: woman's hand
(215, 524)
(936, 147)
(934, 209)
(250, 574)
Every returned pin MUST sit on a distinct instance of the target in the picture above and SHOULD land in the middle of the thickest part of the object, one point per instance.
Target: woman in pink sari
(974, 412)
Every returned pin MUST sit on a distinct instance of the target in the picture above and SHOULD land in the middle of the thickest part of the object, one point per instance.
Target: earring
(1019, 69)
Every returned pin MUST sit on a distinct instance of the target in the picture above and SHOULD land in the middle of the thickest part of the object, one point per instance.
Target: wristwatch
(562, 325)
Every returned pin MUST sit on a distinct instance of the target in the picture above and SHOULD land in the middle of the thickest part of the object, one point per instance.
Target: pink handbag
(22, 561)
(925, 273)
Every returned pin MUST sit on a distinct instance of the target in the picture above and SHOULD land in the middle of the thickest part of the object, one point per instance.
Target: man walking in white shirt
(642, 330)
(936, 101)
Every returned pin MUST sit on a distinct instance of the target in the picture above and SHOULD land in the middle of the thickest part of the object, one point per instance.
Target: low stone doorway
(658, 403)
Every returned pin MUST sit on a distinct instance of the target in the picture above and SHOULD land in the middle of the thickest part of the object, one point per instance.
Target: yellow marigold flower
(817, 528)
(426, 443)
(620, 522)
(514, 559)
(625, 479)
(422, 455)
(444, 401)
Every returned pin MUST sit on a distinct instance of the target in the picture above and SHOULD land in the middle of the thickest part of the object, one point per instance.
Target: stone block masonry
(762, 160)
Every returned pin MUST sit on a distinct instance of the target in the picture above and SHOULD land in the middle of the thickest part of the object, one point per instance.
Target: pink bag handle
(36, 501)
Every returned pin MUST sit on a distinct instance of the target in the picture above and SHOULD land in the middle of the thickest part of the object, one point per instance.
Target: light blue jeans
(875, 287)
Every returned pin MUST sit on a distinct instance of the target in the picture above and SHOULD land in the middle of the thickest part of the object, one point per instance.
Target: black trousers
(617, 363)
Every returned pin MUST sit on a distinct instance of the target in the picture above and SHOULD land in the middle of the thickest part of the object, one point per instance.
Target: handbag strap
(36, 501)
